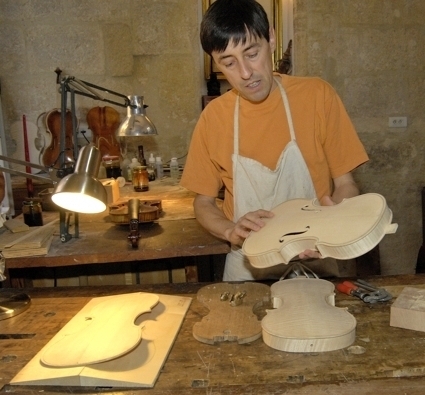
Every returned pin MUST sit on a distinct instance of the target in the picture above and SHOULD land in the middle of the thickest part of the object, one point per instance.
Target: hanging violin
(50, 155)
(103, 122)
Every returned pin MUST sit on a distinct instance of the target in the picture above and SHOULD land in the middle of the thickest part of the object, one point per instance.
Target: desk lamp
(81, 191)
(135, 124)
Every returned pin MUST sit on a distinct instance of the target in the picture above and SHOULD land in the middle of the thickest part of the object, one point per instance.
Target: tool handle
(344, 288)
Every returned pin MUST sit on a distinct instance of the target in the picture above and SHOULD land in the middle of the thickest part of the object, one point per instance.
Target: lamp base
(13, 303)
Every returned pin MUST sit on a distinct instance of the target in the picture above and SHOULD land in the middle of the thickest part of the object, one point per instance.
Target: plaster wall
(371, 51)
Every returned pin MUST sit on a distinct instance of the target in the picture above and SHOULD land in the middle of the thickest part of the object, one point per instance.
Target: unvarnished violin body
(305, 319)
(343, 231)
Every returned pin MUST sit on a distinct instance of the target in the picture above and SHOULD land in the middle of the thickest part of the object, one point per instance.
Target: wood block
(15, 225)
(408, 310)
(112, 190)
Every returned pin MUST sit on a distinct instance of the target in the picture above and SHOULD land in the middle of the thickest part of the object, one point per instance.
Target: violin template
(343, 231)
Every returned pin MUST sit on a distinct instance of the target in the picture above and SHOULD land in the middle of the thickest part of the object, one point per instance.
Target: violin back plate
(305, 318)
(229, 318)
(343, 231)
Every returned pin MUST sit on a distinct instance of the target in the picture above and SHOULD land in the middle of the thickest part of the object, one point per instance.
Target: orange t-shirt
(324, 133)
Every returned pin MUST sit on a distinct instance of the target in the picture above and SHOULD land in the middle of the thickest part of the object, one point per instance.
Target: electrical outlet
(397, 122)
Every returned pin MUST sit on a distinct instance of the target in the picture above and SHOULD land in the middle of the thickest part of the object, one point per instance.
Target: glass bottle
(140, 179)
(174, 169)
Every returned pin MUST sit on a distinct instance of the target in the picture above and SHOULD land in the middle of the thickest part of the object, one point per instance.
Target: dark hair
(232, 20)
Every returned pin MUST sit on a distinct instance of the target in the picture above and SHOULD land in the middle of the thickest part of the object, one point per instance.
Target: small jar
(140, 179)
(32, 213)
(112, 166)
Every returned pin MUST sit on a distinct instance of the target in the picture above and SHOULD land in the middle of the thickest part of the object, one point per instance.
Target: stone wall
(134, 47)
(371, 51)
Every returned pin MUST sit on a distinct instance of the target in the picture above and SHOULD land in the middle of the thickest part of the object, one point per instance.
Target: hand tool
(348, 288)
(364, 291)
(380, 294)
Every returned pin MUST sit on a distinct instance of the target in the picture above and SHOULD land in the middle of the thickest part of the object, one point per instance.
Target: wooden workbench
(382, 360)
(175, 234)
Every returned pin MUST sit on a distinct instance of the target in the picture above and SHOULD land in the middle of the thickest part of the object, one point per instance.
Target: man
(270, 139)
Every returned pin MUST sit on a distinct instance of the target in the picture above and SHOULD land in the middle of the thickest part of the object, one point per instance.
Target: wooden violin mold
(305, 319)
(343, 231)
(106, 333)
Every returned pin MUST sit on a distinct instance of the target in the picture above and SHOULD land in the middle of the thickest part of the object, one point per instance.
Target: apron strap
(287, 108)
(236, 127)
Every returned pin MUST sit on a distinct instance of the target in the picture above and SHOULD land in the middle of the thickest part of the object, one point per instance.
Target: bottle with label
(151, 167)
(159, 168)
(174, 169)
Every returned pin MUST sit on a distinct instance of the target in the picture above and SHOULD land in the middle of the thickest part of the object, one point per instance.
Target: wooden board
(408, 310)
(34, 242)
(227, 320)
(305, 318)
(35, 237)
(105, 331)
(138, 368)
(15, 225)
(16, 252)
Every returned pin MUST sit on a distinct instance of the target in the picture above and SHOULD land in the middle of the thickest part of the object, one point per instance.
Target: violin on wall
(49, 154)
(103, 122)
(344, 231)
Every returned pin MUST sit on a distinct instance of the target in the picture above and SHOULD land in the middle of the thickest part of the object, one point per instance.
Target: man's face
(248, 67)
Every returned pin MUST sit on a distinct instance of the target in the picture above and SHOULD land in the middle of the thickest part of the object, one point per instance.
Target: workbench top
(176, 233)
(383, 359)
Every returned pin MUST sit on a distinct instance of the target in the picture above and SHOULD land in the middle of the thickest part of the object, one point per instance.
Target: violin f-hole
(307, 208)
(281, 240)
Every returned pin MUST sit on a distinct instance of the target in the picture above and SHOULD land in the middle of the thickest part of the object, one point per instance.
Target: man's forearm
(211, 217)
(345, 187)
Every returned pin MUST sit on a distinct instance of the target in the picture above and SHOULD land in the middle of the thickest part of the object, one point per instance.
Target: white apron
(255, 187)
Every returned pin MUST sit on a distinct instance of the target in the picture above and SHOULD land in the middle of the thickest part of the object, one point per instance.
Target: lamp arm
(88, 89)
(22, 162)
(27, 175)
(49, 177)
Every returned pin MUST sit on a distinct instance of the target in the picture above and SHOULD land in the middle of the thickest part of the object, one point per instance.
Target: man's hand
(213, 219)
(252, 221)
